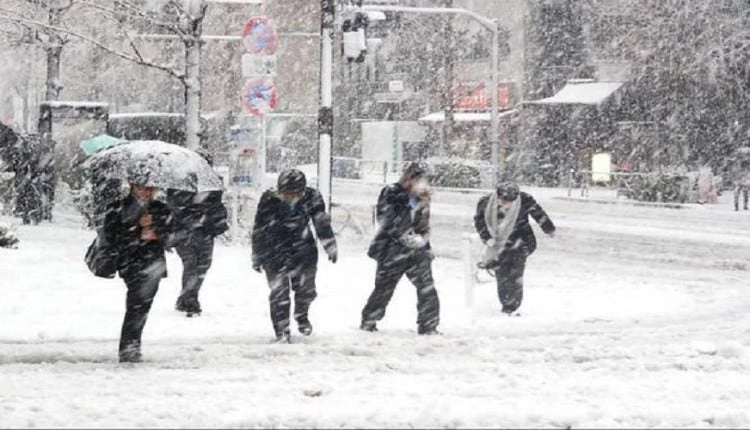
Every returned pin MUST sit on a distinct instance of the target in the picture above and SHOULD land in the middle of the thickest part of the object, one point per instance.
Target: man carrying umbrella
(284, 247)
(138, 228)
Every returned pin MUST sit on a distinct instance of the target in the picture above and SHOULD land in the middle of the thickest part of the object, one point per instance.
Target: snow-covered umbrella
(157, 164)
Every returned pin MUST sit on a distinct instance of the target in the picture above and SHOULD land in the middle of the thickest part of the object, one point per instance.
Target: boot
(304, 326)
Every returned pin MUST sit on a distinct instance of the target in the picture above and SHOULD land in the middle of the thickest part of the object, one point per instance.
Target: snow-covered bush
(455, 174)
(8, 238)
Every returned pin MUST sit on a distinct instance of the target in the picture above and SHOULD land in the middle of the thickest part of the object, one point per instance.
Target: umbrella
(100, 142)
(157, 164)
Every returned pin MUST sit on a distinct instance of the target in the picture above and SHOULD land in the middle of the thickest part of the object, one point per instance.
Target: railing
(664, 187)
(622, 182)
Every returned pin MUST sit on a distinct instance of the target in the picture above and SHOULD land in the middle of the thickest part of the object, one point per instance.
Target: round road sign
(259, 35)
(259, 96)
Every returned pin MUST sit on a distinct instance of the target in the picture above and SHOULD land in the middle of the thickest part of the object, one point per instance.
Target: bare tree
(129, 19)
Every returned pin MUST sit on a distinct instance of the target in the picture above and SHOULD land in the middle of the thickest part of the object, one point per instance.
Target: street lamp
(492, 26)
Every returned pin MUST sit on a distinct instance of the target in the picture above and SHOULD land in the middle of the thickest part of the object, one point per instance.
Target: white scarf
(500, 230)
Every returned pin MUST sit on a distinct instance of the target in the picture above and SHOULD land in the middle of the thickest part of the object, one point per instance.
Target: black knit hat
(507, 191)
(291, 181)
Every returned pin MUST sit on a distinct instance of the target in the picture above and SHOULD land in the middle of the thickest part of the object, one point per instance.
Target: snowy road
(633, 317)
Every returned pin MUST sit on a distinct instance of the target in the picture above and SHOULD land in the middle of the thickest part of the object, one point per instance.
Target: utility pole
(325, 112)
(447, 96)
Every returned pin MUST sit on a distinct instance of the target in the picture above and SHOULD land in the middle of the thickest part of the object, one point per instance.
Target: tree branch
(137, 59)
(137, 11)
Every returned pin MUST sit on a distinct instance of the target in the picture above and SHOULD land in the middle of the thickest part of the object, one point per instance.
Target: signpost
(259, 96)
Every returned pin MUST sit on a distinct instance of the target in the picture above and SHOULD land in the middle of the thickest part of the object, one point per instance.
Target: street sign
(259, 96)
(254, 65)
(389, 97)
(259, 36)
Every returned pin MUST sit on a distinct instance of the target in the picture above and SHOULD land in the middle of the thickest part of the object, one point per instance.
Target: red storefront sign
(474, 96)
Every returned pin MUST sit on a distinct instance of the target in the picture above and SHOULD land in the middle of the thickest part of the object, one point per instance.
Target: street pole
(498, 156)
(325, 112)
(194, 10)
(491, 25)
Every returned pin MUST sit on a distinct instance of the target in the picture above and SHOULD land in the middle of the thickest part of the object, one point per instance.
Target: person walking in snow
(284, 247)
(502, 221)
(198, 219)
(402, 247)
(139, 229)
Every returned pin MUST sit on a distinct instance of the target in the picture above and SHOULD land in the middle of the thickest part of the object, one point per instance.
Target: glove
(491, 242)
(333, 255)
(257, 267)
(413, 240)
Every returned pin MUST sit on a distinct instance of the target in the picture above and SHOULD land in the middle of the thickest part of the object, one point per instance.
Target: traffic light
(354, 28)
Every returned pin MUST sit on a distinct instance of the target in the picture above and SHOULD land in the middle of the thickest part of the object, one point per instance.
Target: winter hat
(507, 191)
(291, 181)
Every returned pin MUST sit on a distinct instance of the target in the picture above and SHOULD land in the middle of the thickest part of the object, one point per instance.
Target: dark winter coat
(394, 220)
(281, 237)
(522, 237)
(122, 233)
(203, 213)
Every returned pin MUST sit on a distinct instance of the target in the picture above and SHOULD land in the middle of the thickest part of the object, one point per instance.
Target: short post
(570, 182)
(235, 204)
(468, 270)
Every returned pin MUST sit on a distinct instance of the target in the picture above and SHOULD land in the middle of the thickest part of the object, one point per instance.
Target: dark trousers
(301, 280)
(196, 255)
(142, 286)
(417, 266)
(509, 276)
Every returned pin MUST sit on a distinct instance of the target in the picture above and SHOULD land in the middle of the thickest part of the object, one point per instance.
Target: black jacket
(522, 238)
(202, 212)
(282, 239)
(394, 220)
(122, 233)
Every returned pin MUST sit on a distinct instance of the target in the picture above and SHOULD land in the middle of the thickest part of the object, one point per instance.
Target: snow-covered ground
(634, 316)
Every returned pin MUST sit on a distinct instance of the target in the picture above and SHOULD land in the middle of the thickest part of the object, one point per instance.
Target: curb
(627, 202)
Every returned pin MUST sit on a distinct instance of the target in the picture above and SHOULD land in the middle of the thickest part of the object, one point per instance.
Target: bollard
(468, 270)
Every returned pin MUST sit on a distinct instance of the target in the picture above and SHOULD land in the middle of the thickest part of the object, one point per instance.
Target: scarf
(500, 230)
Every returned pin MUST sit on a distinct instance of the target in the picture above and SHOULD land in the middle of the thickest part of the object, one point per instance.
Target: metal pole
(235, 198)
(325, 113)
(263, 151)
(489, 23)
(497, 156)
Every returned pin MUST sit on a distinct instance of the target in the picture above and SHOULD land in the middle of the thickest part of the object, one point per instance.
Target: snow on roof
(61, 104)
(465, 116)
(146, 114)
(586, 93)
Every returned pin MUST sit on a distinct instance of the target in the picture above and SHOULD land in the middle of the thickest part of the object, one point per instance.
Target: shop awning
(582, 93)
(465, 116)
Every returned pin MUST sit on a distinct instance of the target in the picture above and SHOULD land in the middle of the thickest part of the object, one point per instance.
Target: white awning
(584, 93)
(465, 116)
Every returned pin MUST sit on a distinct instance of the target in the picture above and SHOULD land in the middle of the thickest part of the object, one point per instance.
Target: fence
(643, 186)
